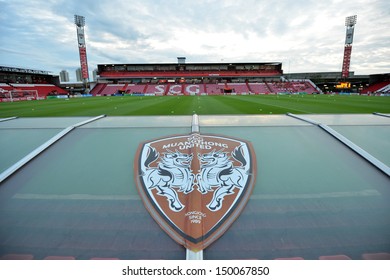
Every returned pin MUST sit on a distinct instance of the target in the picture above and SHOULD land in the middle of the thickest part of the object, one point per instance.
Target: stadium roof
(23, 70)
(193, 63)
(158, 70)
(322, 189)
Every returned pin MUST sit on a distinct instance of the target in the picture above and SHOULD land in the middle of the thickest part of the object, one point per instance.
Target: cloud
(306, 35)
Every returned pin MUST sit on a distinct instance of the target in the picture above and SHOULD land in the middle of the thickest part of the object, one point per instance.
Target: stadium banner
(29, 98)
(195, 186)
(57, 96)
(349, 36)
(63, 96)
(142, 94)
(83, 62)
(82, 95)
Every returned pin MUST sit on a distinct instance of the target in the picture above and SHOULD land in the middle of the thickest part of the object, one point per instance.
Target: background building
(94, 74)
(78, 75)
(64, 76)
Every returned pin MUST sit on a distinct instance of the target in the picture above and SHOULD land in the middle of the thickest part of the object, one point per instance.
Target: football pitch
(202, 105)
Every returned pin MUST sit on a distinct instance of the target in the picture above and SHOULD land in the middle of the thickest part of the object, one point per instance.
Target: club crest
(195, 186)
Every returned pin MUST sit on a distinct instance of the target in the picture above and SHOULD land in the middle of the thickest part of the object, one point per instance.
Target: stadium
(125, 167)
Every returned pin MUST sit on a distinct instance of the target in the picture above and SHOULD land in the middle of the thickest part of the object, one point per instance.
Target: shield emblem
(195, 186)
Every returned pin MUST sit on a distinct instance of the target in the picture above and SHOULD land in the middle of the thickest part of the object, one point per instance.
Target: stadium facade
(20, 84)
(230, 78)
(197, 79)
(183, 78)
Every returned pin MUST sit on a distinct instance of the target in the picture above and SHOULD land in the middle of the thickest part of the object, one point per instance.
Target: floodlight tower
(350, 25)
(80, 23)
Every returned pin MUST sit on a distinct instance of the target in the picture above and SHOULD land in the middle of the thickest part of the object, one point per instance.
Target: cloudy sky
(305, 35)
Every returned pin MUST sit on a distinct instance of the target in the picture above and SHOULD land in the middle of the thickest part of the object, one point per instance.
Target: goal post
(20, 95)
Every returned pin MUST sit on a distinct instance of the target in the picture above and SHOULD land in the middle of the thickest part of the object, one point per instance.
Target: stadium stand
(386, 89)
(258, 88)
(4, 90)
(156, 89)
(174, 89)
(112, 89)
(193, 89)
(102, 89)
(292, 87)
(28, 91)
(98, 89)
(239, 88)
(134, 88)
(5, 87)
(42, 89)
(214, 89)
(171, 74)
(200, 79)
(381, 87)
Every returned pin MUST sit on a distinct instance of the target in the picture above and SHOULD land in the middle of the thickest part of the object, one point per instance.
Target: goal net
(19, 95)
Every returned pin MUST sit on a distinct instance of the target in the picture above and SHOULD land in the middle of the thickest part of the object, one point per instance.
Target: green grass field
(202, 105)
